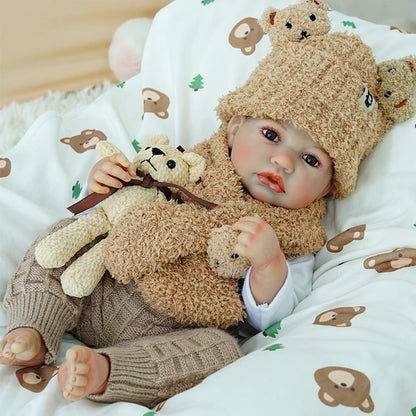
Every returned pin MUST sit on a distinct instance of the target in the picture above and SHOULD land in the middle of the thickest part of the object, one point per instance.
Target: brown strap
(147, 182)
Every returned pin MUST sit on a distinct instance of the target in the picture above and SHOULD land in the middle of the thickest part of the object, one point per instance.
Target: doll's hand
(108, 172)
(258, 242)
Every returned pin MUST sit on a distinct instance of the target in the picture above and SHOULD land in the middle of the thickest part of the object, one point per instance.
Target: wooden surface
(59, 44)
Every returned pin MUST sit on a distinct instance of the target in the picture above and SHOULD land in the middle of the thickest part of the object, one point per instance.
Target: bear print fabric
(349, 348)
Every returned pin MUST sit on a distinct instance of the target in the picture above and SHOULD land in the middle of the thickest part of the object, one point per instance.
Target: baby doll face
(278, 163)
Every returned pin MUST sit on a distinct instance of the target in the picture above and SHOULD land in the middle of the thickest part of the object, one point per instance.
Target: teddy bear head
(296, 22)
(166, 163)
(397, 79)
(221, 256)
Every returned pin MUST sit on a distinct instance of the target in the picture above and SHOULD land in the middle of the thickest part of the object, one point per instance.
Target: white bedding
(189, 59)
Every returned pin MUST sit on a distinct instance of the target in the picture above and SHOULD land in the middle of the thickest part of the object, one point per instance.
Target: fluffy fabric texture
(397, 79)
(325, 84)
(319, 92)
(163, 246)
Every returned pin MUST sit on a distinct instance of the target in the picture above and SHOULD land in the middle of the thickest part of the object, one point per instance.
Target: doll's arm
(258, 242)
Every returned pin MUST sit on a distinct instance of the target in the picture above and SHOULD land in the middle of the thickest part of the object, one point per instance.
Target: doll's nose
(284, 159)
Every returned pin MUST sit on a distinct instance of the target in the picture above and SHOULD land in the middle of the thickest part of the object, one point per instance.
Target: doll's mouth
(272, 181)
(402, 104)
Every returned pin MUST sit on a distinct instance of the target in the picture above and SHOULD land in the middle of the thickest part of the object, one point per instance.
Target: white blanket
(350, 347)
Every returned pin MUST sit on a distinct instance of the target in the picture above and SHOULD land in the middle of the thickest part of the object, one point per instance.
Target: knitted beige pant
(152, 356)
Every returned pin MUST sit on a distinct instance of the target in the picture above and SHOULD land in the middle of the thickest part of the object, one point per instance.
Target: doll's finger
(114, 170)
(246, 224)
(121, 160)
(97, 188)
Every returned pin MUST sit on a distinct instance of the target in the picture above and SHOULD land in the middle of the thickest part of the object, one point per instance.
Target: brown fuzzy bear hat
(325, 84)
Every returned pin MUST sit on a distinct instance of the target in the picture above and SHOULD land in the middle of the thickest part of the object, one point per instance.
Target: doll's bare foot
(83, 372)
(22, 346)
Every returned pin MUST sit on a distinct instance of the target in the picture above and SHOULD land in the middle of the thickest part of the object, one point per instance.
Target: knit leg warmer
(35, 299)
(152, 369)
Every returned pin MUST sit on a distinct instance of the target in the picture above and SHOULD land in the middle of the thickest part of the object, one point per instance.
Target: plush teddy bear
(164, 163)
(296, 22)
(176, 289)
(397, 80)
(126, 48)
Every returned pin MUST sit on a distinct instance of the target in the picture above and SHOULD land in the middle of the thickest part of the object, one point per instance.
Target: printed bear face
(5, 167)
(336, 244)
(297, 22)
(87, 140)
(245, 35)
(36, 379)
(397, 79)
(390, 262)
(155, 102)
(340, 317)
(345, 386)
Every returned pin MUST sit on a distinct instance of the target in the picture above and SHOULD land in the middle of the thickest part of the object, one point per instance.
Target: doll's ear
(232, 128)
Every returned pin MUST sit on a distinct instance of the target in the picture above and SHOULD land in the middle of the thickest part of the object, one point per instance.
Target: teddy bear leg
(57, 248)
(83, 275)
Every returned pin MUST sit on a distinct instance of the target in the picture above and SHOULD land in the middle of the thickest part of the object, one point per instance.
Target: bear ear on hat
(266, 21)
(320, 3)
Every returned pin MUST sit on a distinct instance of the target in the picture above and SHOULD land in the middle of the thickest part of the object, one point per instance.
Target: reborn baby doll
(312, 100)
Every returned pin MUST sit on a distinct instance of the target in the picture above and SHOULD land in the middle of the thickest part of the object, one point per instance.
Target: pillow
(183, 74)
(190, 74)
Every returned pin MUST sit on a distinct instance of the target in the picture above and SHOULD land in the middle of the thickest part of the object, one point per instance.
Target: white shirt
(297, 286)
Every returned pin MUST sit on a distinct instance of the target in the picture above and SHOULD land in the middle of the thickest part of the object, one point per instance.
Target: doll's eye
(312, 17)
(387, 94)
(311, 160)
(271, 135)
(391, 70)
(171, 164)
(289, 25)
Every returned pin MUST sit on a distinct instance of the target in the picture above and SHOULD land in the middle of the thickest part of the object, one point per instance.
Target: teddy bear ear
(196, 165)
(157, 139)
(320, 3)
(105, 149)
(411, 61)
(266, 21)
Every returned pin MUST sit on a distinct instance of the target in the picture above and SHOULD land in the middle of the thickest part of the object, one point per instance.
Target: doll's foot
(83, 372)
(22, 346)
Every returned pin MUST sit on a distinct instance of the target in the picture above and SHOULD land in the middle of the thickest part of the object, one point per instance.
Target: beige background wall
(63, 44)
(59, 44)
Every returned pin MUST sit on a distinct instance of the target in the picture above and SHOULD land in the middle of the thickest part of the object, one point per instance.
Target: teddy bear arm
(57, 248)
(82, 276)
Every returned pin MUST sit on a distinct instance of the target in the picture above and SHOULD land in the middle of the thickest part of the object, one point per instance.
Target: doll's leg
(148, 370)
(38, 311)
